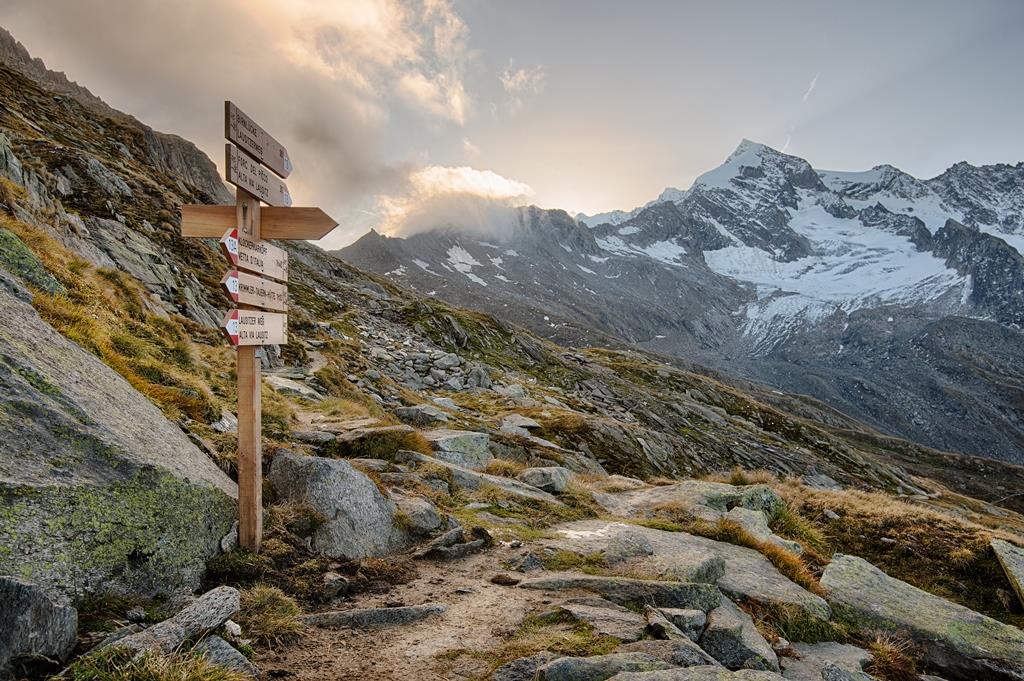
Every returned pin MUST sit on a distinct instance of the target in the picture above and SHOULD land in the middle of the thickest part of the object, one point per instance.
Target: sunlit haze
(589, 106)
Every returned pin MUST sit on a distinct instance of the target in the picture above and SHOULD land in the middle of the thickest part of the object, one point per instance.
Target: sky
(407, 112)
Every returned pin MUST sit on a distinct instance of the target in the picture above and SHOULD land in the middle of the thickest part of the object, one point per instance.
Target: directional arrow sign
(252, 177)
(275, 223)
(255, 141)
(250, 327)
(255, 256)
(248, 289)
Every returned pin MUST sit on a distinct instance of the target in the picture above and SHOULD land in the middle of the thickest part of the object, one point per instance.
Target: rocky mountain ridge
(762, 257)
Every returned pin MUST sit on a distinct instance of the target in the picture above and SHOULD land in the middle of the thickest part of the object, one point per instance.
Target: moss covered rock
(962, 643)
(99, 493)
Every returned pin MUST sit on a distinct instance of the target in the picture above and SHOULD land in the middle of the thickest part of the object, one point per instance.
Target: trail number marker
(241, 229)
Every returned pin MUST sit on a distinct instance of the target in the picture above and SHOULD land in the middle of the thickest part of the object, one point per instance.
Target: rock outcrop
(101, 493)
(360, 520)
(34, 629)
(962, 643)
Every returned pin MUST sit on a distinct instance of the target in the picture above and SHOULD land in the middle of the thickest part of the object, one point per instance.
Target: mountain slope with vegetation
(421, 460)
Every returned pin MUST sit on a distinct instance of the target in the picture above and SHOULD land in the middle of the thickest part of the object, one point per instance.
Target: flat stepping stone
(679, 652)
(599, 667)
(812, 658)
(607, 618)
(623, 590)
(372, 618)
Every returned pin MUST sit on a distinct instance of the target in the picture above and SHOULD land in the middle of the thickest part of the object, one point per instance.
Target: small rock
(623, 590)
(732, 639)
(505, 579)
(233, 630)
(421, 415)
(228, 423)
(372, 618)
(465, 448)
(220, 653)
(136, 614)
(680, 652)
(335, 585)
(206, 613)
(690, 622)
(552, 479)
(626, 544)
(420, 516)
(599, 667)
(607, 618)
(830, 514)
(525, 668)
(314, 437)
(447, 361)
(659, 627)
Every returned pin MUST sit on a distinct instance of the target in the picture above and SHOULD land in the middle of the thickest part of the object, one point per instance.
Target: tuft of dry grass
(504, 468)
(555, 632)
(117, 664)
(380, 444)
(268, 616)
(938, 553)
(740, 476)
(894, 658)
(393, 570)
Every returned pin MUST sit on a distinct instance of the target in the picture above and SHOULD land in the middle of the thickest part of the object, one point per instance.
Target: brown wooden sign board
(248, 289)
(255, 141)
(254, 327)
(247, 174)
(255, 256)
(247, 327)
(276, 223)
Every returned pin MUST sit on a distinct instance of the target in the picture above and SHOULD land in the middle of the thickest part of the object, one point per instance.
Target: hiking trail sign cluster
(256, 281)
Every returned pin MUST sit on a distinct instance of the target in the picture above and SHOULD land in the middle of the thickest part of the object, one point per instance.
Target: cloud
(327, 78)
(521, 83)
(810, 88)
(463, 197)
(469, 147)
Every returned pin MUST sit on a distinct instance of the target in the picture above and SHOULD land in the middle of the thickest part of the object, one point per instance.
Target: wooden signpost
(255, 264)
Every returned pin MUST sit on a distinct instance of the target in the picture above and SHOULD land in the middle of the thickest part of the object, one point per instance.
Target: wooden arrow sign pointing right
(275, 223)
(255, 141)
(247, 174)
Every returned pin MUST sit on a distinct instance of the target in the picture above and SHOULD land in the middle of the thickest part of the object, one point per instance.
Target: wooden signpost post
(255, 264)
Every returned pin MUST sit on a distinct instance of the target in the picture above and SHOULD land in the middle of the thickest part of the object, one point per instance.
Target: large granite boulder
(100, 492)
(962, 643)
(360, 519)
(32, 626)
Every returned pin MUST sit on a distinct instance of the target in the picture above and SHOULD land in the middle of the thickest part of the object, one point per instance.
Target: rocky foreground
(677, 580)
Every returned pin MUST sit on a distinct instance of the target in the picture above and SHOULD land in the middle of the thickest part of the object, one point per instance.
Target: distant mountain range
(896, 300)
